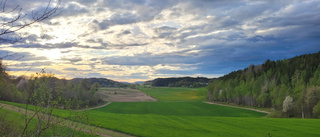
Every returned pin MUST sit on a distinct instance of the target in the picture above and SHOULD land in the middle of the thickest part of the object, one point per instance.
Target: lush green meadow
(186, 115)
(176, 108)
(179, 123)
(176, 94)
(192, 125)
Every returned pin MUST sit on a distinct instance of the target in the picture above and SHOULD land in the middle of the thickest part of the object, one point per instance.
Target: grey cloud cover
(21, 56)
(214, 36)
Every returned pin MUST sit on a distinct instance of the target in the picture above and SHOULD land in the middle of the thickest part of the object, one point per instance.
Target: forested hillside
(179, 82)
(291, 86)
(102, 81)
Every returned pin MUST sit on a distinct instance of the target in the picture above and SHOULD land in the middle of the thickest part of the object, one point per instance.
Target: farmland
(180, 112)
(171, 116)
(123, 95)
(176, 108)
(173, 125)
(176, 94)
(176, 115)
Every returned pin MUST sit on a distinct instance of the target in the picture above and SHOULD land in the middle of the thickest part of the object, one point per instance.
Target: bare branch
(10, 26)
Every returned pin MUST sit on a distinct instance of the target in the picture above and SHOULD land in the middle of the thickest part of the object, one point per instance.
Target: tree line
(42, 87)
(290, 86)
(179, 82)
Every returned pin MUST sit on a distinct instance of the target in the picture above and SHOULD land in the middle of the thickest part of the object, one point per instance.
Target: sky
(139, 40)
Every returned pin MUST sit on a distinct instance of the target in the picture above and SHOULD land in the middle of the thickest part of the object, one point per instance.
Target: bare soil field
(124, 95)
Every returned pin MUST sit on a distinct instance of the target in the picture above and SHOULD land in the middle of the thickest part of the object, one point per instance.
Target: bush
(287, 105)
(316, 110)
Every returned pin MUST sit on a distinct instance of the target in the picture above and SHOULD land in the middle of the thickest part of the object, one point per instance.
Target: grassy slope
(176, 94)
(14, 119)
(17, 123)
(57, 112)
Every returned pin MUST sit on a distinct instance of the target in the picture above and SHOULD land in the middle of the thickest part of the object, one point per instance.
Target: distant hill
(125, 82)
(179, 82)
(103, 82)
(139, 82)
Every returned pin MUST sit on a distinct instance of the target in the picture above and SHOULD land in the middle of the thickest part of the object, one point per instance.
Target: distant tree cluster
(179, 82)
(291, 86)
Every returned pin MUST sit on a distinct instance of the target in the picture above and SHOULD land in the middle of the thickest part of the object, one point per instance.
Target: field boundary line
(238, 107)
(95, 107)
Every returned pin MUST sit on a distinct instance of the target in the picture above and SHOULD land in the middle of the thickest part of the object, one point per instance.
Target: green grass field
(17, 125)
(176, 94)
(177, 108)
(186, 125)
(181, 112)
(57, 112)
(193, 124)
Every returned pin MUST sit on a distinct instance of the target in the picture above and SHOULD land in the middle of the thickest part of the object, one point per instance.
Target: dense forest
(290, 86)
(179, 82)
(43, 87)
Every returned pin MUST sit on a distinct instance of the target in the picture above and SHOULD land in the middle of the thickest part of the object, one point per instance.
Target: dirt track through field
(71, 124)
(239, 107)
(95, 107)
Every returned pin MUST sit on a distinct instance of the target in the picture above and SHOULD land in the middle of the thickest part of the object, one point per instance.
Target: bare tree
(12, 20)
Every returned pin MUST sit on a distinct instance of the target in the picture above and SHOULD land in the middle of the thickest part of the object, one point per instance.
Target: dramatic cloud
(138, 40)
